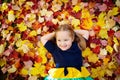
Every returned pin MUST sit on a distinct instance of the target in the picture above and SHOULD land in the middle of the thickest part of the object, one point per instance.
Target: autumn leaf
(24, 71)
(103, 33)
(93, 58)
(75, 23)
(11, 16)
(113, 12)
(2, 62)
(109, 49)
(22, 27)
(32, 33)
(4, 6)
(76, 8)
(101, 19)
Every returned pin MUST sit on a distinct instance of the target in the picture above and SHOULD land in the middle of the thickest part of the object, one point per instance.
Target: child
(67, 53)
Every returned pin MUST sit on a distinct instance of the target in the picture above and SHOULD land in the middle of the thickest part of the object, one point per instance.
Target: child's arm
(82, 35)
(47, 37)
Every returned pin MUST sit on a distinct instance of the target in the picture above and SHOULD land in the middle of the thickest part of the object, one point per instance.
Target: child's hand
(84, 33)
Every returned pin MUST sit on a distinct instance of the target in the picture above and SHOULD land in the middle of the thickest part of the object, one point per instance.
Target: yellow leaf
(103, 33)
(2, 62)
(86, 22)
(101, 19)
(17, 36)
(4, 33)
(2, 48)
(32, 17)
(42, 50)
(65, 1)
(76, 8)
(42, 70)
(22, 26)
(18, 43)
(33, 33)
(75, 22)
(4, 6)
(24, 71)
(115, 41)
(34, 71)
(37, 65)
(20, 2)
(93, 58)
(44, 59)
(85, 13)
(30, 3)
(115, 11)
(109, 49)
(86, 52)
(112, 65)
(94, 73)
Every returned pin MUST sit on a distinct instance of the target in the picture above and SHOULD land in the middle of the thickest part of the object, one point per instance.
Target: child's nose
(62, 43)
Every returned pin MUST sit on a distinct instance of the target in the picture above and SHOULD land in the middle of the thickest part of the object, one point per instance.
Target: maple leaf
(4, 6)
(34, 71)
(22, 26)
(93, 58)
(113, 12)
(75, 22)
(32, 33)
(102, 7)
(24, 71)
(76, 8)
(101, 19)
(111, 33)
(103, 33)
(109, 49)
(2, 62)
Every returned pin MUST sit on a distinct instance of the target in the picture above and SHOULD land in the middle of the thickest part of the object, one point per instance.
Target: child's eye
(58, 40)
(66, 39)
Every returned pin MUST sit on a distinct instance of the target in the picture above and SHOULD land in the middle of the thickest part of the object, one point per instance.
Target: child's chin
(64, 49)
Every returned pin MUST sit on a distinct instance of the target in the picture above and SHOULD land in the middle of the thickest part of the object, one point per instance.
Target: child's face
(64, 40)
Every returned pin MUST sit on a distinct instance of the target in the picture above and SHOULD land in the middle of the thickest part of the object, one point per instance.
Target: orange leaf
(36, 25)
(48, 55)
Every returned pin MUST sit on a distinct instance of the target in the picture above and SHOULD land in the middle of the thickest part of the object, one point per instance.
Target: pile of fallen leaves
(23, 22)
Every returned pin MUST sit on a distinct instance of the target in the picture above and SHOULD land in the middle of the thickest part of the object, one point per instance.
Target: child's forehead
(63, 32)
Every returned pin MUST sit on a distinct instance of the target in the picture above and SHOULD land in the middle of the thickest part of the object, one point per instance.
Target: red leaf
(55, 14)
(14, 55)
(111, 33)
(19, 20)
(26, 57)
(96, 49)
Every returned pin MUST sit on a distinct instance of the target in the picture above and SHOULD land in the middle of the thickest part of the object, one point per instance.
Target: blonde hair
(66, 27)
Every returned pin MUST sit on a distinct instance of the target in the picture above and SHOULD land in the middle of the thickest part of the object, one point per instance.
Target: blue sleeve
(50, 46)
